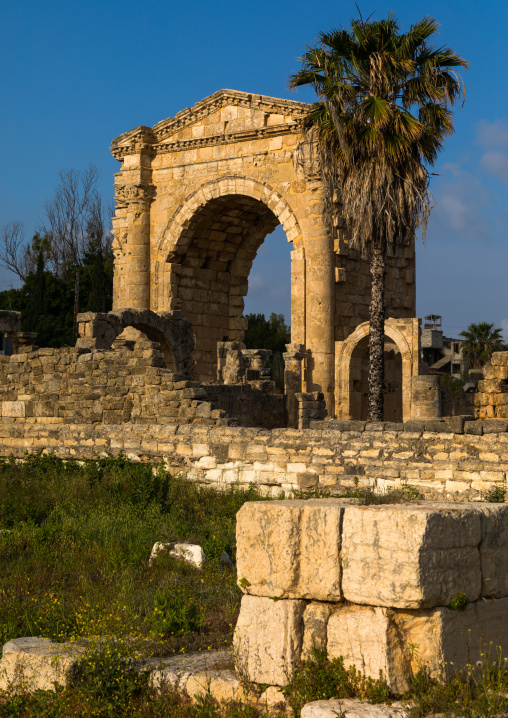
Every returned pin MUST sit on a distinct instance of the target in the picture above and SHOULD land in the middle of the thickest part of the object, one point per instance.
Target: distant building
(5, 345)
(442, 354)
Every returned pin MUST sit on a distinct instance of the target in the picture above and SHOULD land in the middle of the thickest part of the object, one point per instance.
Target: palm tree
(383, 113)
(481, 341)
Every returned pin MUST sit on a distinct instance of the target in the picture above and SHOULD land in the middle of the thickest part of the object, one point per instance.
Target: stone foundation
(373, 584)
(433, 457)
(125, 385)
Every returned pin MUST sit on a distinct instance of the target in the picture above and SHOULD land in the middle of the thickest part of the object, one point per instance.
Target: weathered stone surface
(268, 639)
(272, 699)
(30, 664)
(399, 642)
(191, 553)
(290, 549)
(352, 708)
(13, 409)
(410, 555)
(365, 636)
(459, 466)
(315, 622)
(494, 549)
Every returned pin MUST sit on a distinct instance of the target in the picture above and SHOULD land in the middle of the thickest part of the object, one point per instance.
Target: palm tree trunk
(377, 334)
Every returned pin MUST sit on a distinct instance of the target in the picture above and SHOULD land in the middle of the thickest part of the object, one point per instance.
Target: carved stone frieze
(223, 98)
(127, 194)
(230, 138)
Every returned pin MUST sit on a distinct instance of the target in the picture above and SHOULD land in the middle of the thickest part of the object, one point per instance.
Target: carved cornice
(224, 98)
(126, 194)
(140, 139)
(229, 138)
(150, 140)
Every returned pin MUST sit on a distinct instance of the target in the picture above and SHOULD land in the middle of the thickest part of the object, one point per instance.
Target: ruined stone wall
(491, 400)
(449, 459)
(121, 386)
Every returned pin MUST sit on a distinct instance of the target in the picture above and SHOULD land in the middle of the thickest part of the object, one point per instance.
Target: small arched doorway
(359, 381)
(402, 352)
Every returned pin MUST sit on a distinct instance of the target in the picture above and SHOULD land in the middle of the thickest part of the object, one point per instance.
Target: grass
(75, 554)
(75, 542)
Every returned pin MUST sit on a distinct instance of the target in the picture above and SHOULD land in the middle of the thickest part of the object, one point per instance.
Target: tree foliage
(481, 341)
(383, 112)
(264, 333)
(74, 236)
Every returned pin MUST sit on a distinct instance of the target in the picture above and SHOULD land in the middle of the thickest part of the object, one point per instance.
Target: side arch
(170, 329)
(174, 241)
(402, 333)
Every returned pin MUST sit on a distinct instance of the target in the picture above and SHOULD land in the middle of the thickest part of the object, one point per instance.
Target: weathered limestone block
(366, 637)
(290, 549)
(410, 555)
(13, 409)
(30, 664)
(400, 642)
(268, 639)
(353, 708)
(499, 359)
(315, 623)
(494, 549)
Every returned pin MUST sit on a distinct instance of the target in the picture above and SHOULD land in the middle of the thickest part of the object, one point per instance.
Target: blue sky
(77, 74)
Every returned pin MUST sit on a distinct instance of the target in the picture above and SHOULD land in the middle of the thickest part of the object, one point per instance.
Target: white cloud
(492, 134)
(461, 201)
(493, 138)
(496, 163)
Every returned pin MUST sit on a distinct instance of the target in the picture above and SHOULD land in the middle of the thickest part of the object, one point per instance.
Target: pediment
(227, 115)
(228, 105)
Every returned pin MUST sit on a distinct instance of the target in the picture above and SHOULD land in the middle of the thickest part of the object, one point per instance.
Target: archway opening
(359, 381)
(216, 250)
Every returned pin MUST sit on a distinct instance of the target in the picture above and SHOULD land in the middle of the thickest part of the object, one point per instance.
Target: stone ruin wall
(491, 399)
(451, 459)
(371, 584)
(121, 386)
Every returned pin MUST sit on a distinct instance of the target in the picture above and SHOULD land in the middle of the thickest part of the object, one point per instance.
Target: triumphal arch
(198, 193)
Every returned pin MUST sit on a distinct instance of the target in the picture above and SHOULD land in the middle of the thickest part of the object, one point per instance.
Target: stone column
(293, 380)
(134, 194)
(320, 306)
(426, 397)
(298, 296)
(132, 263)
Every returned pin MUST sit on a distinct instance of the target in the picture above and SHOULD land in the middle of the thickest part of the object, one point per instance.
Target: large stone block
(410, 555)
(30, 664)
(268, 639)
(399, 643)
(290, 549)
(494, 549)
(365, 637)
(315, 620)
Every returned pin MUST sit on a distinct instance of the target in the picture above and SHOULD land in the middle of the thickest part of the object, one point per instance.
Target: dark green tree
(383, 112)
(37, 304)
(98, 274)
(264, 333)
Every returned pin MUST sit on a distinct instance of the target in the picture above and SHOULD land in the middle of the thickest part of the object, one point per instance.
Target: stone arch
(169, 329)
(401, 334)
(171, 243)
(207, 253)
